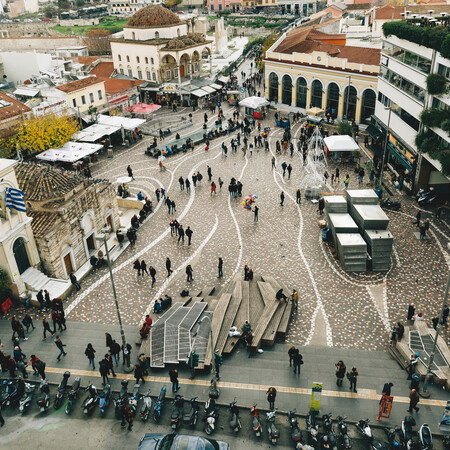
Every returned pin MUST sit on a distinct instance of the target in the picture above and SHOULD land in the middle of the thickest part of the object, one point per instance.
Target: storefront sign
(50, 108)
(169, 88)
(316, 396)
(385, 406)
(402, 153)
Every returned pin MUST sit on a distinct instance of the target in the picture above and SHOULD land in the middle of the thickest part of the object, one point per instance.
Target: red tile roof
(42, 222)
(103, 69)
(15, 108)
(116, 85)
(85, 60)
(79, 84)
(385, 12)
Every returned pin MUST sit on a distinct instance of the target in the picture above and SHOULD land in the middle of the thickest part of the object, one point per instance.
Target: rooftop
(42, 222)
(10, 107)
(116, 85)
(102, 70)
(74, 86)
(153, 16)
(85, 60)
(387, 12)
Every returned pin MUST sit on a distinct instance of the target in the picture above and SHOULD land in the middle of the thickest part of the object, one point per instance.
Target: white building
(129, 7)
(402, 96)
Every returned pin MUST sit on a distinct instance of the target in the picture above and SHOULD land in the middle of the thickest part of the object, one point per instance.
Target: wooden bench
(260, 329)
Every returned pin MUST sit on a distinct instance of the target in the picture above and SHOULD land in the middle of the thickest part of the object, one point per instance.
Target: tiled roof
(103, 69)
(42, 222)
(385, 12)
(304, 41)
(85, 60)
(116, 85)
(15, 108)
(43, 182)
(78, 84)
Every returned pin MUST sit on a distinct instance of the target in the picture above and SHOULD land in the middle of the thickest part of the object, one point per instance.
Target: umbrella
(315, 111)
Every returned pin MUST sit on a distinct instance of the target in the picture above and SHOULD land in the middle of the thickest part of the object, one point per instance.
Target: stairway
(35, 280)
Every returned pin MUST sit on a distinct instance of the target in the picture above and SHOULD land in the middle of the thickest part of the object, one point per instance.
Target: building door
(90, 242)
(109, 222)
(21, 255)
(181, 70)
(68, 264)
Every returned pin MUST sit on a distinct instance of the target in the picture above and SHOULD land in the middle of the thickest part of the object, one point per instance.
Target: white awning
(223, 79)
(69, 152)
(209, 89)
(199, 93)
(341, 143)
(119, 121)
(95, 132)
(26, 92)
(254, 102)
(216, 86)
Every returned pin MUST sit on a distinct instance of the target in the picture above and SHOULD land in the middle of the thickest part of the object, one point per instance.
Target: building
(223, 5)
(307, 68)
(121, 94)
(84, 93)
(129, 7)
(298, 7)
(73, 51)
(18, 7)
(18, 250)
(402, 96)
(158, 47)
(248, 4)
(68, 212)
(11, 111)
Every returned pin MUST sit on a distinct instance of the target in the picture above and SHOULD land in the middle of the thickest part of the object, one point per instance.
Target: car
(154, 441)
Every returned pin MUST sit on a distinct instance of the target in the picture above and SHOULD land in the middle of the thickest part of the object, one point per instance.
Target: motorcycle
(177, 412)
(73, 394)
(427, 197)
(422, 192)
(235, 422)
(425, 437)
(256, 423)
(157, 410)
(446, 442)
(15, 392)
(118, 400)
(25, 401)
(343, 431)
(211, 416)
(296, 434)
(8, 388)
(191, 417)
(387, 203)
(329, 431)
(134, 399)
(312, 428)
(146, 406)
(406, 432)
(364, 428)
(91, 400)
(391, 434)
(61, 390)
(104, 399)
(44, 399)
(274, 434)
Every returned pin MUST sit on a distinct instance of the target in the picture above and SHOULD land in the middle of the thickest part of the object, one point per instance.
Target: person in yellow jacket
(295, 298)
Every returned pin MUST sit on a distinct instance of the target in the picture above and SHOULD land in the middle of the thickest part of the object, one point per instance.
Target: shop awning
(209, 89)
(119, 121)
(95, 132)
(254, 102)
(315, 111)
(216, 86)
(401, 158)
(143, 108)
(69, 152)
(374, 132)
(119, 100)
(223, 79)
(199, 93)
(26, 92)
(341, 143)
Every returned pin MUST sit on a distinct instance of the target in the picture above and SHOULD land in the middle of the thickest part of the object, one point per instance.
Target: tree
(98, 41)
(344, 127)
(172, 3)
(93, 112)
(5, 284)
(39, 134)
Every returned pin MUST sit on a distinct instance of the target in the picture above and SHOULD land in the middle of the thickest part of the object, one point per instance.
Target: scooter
(274, 434)
(25, 401)
(104, 399)
(427, 198)
(8, 388)
(146, 406)
(296, 434)
(177, 412)
(235, 422)
(364, 428)
(387, 203)
(256, 423)
(61, 390)
(157, 410)
(191, 417)
(118, 400)
(91, 401)
(446, 442)
(329, 431)
(15, 393)
(406, 432)
(134, 399)
(73, 394)
(44, 399)
(211, 416)
(391, 434)
(343, 431)
(425, 437)
(422, 192)
(312, 427)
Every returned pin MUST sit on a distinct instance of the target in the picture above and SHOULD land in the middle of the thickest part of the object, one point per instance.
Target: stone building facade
(68, 212)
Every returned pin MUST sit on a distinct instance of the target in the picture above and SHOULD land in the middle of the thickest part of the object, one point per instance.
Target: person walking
(422, 230)
(282, 198)
(181, 181)
(180, 234)
(129, 416)
(299, 196)
(138, 373)
(115, 352)
(144, 268)
(137, 267)
(40, 366)
(273, 162)
(411, 312)
(418, 217)
(413, 401)
(321, 206)
(189, 273)
(90, 354)
(347, 181)
(60, 346)
(336, 177)
(213, 188)
(168, 267)
(291, 353)
(256, 214)
(110, 364)
(187, 183)
(353, 378)
(34, 360)
(295, 298)
(153, 275)
(103, 369)
(284, 167)
(130, 172)
(189, 234)
(386, 390)
(28, 322)
(109, 340)
(297, 360)
(209, 171)
(289, 169)
(40, 299)
(340, 372)
(173, 374)
(220, 268)
(126, 354)
(271, 396)
(74, 281)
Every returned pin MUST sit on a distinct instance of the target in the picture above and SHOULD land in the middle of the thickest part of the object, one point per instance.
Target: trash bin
(415, 382)
(325, 234)
(379, 192)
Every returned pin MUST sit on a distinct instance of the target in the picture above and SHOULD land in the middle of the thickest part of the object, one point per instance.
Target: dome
(153, 16)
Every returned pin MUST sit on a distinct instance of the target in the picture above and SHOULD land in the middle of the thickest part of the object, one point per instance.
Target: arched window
(302, 90)
(286, 93)
(367, 105)
(153, 62)
(119, 57)
(146, 60)
(138, 59)
(156, 34)
(133, 35)
(333, 99)
(128, 59)
(178, 32)
(349, 103)
(21, 255)
(316, 94)
(273, 87)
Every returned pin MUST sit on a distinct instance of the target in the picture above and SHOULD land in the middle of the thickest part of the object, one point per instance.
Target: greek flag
(14, 199)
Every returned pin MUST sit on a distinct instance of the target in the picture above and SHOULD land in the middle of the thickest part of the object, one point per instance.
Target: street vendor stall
(233, 98)
(119, 121)
(255, 107)
(96, 132)
(341, 146)
(70, 152)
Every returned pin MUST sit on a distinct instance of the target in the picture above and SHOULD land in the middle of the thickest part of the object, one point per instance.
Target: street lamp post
(425, 392)
(128, 367)
(214, 391)
(385, 145)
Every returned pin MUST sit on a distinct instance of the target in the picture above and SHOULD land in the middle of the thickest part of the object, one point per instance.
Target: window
(437, 104)
(196, 67)
(151, 59)
(130, 72)
(444, 71)
(121, 71)
(74, 102)
(99, 92)
(408, 58)
(128, 59)
(403, 84)
(140, 74)
(83, 99)
(119, 57)
(149, 75)
(133, 35)
(189, 66)
(91, 97)
(146, 60)
(220, 7)
(137, 59)
(156, 34)
(175, 73)
(212, 8)
(168, 75)
(400, 112)
(153, 76)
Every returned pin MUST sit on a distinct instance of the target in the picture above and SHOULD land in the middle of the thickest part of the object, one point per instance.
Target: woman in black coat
(90, 353)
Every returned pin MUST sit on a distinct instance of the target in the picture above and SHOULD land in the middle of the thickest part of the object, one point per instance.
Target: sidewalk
(246, 378)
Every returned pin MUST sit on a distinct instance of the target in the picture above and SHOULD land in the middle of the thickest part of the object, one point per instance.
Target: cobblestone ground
(285, 243)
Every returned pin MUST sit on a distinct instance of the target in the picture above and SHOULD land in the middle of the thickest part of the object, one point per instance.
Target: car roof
(182, 442)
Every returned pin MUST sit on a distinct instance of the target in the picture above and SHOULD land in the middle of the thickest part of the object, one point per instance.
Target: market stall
(233, 98)
(340, 146)
(96, 132)
(255, 107)
(70, 152)
(119, 121)
(143, 108)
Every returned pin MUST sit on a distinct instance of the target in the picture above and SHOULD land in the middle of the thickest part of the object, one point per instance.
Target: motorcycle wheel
(155, 417)
(69, 407)
(208, 430)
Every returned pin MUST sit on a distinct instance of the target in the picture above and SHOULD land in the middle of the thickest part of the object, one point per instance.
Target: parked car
(153, 441)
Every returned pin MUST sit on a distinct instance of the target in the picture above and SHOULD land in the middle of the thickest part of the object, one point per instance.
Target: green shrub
(445, 47)
(5, 284)
(436, 84)
(344, 127)
(434, 117)
(444, 159)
